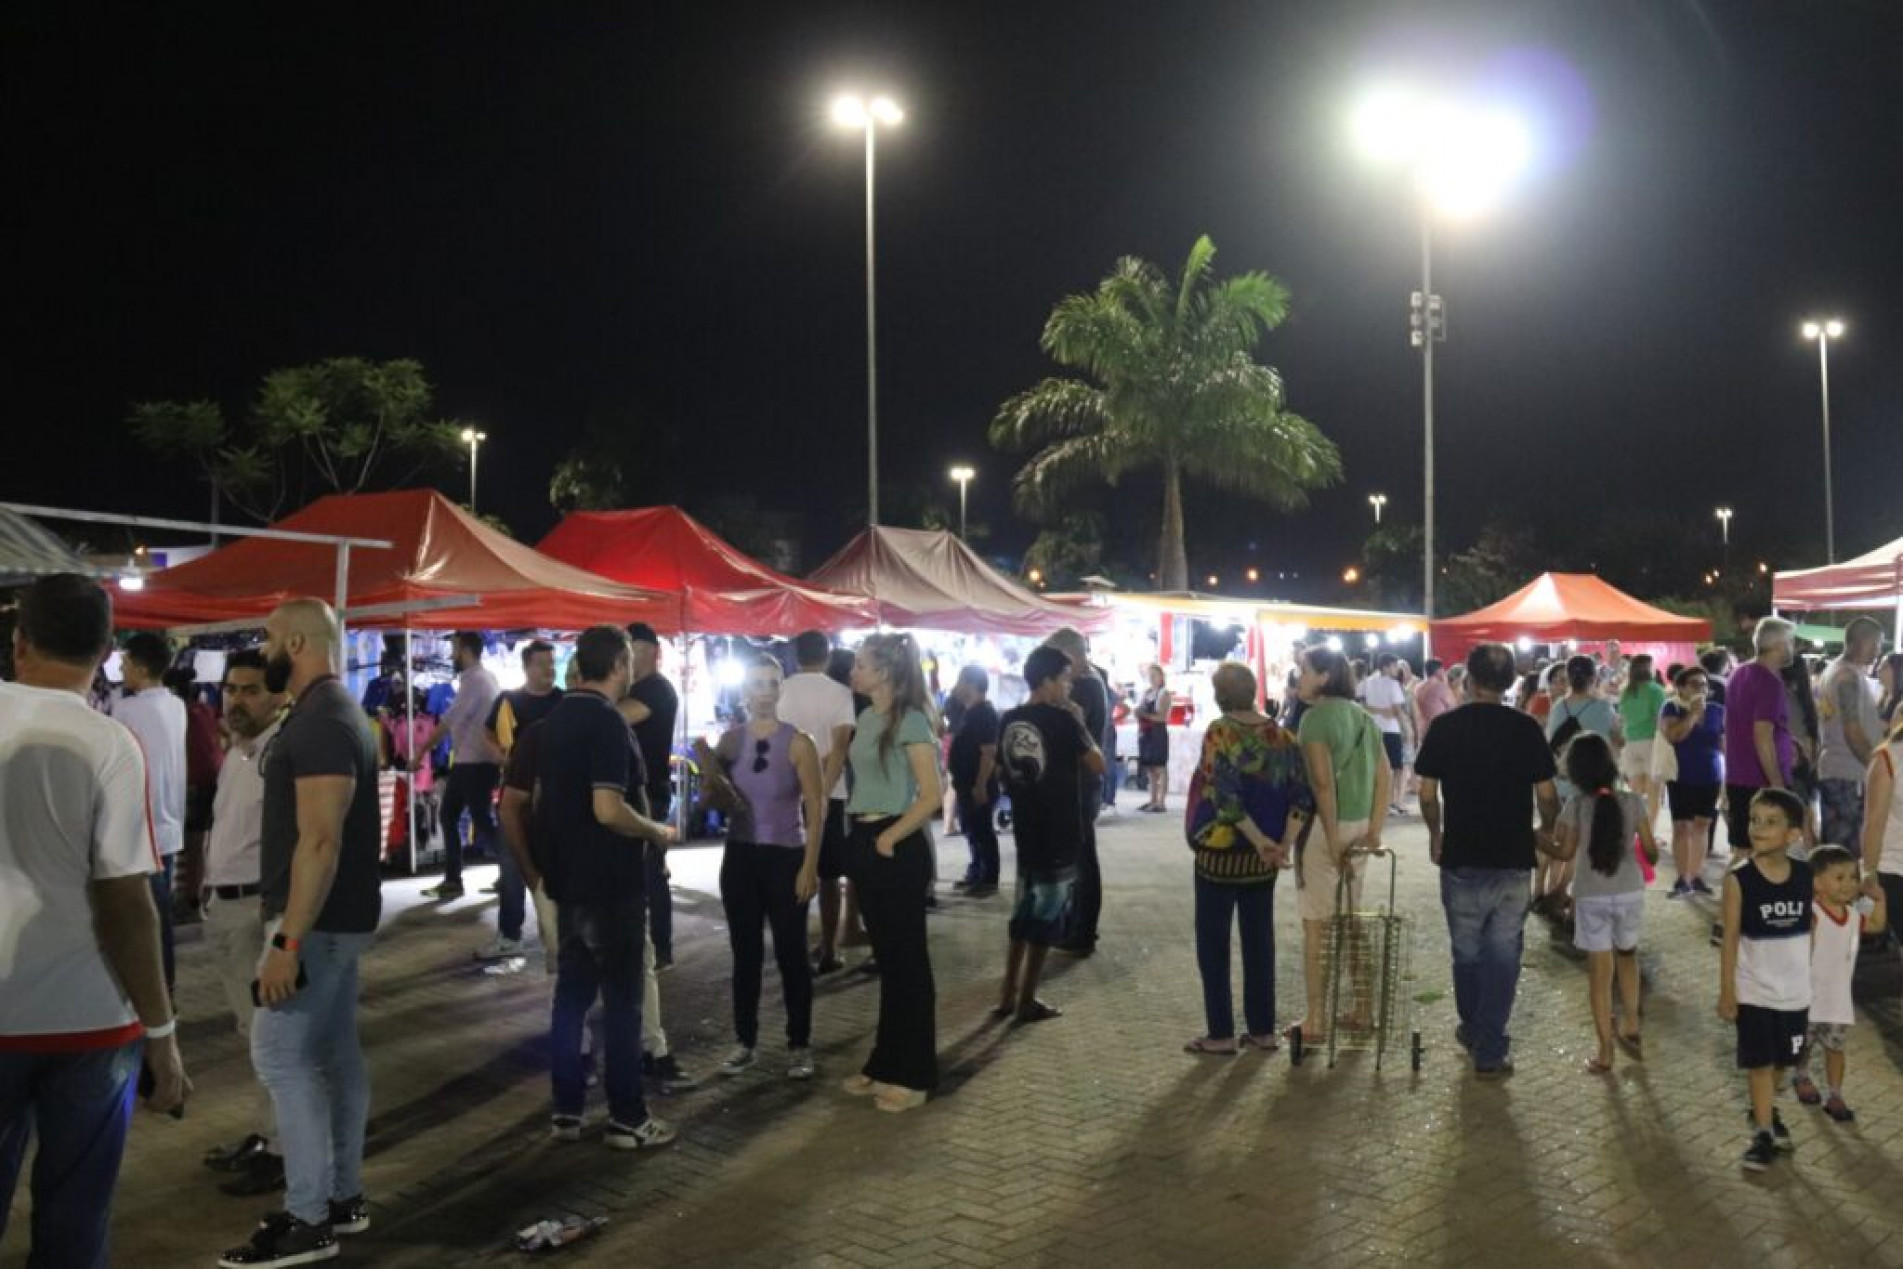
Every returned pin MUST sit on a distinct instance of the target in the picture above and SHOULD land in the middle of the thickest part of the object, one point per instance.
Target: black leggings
(892, 901)
(757, 885)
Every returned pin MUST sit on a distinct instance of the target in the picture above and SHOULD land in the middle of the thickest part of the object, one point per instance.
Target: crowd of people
(1539, 788)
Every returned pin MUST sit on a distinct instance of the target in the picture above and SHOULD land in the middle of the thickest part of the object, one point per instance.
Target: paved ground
(1090, 1140)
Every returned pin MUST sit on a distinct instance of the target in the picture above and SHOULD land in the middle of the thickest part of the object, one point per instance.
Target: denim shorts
(1608, 922)
(1043, 907)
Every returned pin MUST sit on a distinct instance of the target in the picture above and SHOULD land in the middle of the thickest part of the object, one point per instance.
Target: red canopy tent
(446, 570)
(712, 587)
(1555, 607)
(1872, 580)
(922, 577)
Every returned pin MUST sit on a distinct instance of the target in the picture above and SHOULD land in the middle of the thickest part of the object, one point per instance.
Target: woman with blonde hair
(1153, 737)
(895, 794)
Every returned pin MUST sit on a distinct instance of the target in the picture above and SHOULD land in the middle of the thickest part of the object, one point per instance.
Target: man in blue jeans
(592, 844)
(321, 897)
(1493, 765)
(82, 983)
(475, 765)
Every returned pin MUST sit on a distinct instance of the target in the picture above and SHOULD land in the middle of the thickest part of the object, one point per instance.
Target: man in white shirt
(822, 708)
(82, 982)
(234, 919)
(1385, 698)
(157, 718)
(475, 764)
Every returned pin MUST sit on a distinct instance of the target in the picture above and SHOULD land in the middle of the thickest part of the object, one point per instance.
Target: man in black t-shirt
(321, 900)
(973, 765)
(1495, 766)
(1044, 750)
(1092, 696)
(589, 843)
(652, 708)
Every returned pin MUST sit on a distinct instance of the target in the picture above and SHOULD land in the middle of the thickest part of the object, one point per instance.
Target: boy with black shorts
(1043, 747)
(1764, 983)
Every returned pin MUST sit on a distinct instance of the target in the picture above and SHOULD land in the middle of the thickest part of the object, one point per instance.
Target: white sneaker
(799, 1064)
(498, 949)
(737, 1061)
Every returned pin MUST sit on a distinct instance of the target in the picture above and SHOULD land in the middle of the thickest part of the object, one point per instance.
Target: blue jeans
(1486, 921)
(162, 899)
(514, 895)
(1217, 907)
(308, 1057)
(80, 1106)
(601, 949)
(981, 838)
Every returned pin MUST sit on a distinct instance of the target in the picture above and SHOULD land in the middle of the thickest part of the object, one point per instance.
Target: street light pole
(474, 438)
(1377, 501)
(1724, 531)
(1823, 332)
(852, 112)
(1428, 328)
(962, 474)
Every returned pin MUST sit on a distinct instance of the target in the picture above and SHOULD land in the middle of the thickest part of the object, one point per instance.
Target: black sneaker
(282, 1239)
(665, 1074)
(349, 1216)
(263, 1175)
(1460, 1038)
(1780, 1135)
(1760, 1153)
(236, 1157)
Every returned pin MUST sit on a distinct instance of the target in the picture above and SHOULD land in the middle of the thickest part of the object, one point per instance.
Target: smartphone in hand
(303, 981)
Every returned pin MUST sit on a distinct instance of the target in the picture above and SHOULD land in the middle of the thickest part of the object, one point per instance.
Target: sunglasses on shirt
(760, 749)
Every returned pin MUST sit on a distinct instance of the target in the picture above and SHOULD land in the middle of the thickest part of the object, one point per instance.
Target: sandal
(1595, 1067)
(1806, 1090)
(1633, 1045)
(1310, 1038)
(1836, 1109)
(1210, 1047)
(1267, 1042)
(860, 1085)
(1039, 1012)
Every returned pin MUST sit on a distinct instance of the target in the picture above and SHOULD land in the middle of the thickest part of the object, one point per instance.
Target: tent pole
(343, 594)
(409, 742)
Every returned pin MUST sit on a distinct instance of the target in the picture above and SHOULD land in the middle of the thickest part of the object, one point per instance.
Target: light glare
(849, 111)
(886, 111)
(1463, 156)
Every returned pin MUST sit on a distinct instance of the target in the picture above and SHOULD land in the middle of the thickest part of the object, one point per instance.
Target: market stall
(1872, 580)
(1574, 608)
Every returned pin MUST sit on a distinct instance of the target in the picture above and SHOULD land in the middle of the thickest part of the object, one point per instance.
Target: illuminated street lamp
(1724, 524)
(962, 474)
(1463, 156)
(473, 438)
(852, 111)
(1823, 331)
(1377, 501)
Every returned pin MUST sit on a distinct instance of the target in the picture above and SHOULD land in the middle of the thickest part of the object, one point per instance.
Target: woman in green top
(895, 794)
(1639, 707)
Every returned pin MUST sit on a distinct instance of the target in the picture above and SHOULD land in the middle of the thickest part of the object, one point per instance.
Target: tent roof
(924, 577)
(1555, 606)
(1872, 580)
(441, 553)
(714, 587)
(1184, 603)
(28, 551)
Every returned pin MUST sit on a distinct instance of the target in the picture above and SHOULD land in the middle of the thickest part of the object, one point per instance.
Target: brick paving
(1089, 1140)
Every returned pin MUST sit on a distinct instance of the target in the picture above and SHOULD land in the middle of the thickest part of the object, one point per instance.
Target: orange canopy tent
(447, 570)
(712, 587)
(928, 578)
(1555, 607)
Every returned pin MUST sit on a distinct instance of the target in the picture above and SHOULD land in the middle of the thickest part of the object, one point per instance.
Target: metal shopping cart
(1365, 960)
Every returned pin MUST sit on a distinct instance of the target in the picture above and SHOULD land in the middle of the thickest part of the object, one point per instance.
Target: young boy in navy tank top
(1764, 983)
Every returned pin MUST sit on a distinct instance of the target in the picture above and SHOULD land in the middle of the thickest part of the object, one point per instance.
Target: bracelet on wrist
(285, 943)
(161, 1032)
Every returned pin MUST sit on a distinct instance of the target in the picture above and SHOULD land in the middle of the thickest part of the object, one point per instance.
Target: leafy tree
(1068, 551)
(1504, 559)
(1171, 383)
(342, 425)
(1391, 566)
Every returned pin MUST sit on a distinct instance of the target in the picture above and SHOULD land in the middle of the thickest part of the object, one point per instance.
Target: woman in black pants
(895, 794)
(770, 871)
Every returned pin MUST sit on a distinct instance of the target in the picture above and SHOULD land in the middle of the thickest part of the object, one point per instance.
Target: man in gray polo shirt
(1850, 731)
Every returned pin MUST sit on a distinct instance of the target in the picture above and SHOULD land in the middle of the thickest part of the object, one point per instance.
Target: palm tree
(1172, 384)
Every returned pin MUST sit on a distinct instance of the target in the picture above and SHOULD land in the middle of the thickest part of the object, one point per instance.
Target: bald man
(321, 901)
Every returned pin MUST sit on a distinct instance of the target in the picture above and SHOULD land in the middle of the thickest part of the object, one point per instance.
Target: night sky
(638, 214)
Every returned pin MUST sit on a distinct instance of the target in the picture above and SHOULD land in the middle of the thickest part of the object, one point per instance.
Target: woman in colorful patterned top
(1247, 804)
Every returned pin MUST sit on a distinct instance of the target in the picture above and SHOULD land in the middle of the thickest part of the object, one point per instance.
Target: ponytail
(1606, 850)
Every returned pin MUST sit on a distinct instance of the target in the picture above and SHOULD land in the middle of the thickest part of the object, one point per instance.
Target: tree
(1504, 559)
(1172, 383)
(342, 425)
(1068, 551)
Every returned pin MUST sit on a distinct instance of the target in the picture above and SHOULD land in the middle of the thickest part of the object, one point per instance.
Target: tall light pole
(1823, 332)
(1377, 501)
(1724, 533)
(851, 111)
(962, 474)
(1462, 156)
(473, 438)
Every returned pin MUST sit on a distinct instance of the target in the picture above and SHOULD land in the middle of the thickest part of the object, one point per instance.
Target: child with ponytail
(1609, 888)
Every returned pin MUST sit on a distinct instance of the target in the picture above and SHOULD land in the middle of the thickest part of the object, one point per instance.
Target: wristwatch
(284, 944)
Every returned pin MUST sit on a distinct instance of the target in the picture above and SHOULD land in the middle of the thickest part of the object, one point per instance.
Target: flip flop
(1203, 1046)
(1040, 1012)
(1268, 1042)
(1633, 1045)
(1595, 1067)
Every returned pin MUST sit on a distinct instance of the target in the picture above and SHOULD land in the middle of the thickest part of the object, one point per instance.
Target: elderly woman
(1348, 769)
(1248, 803)
(1153, 738)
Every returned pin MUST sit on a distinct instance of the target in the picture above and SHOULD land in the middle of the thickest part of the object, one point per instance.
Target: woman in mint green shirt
(1639, 707)
(895, 794)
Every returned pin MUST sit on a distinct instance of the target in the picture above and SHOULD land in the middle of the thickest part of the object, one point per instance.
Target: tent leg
(409, 714)
(343, 594)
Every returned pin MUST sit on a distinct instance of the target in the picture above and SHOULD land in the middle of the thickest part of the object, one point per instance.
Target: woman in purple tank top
(771, 868)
